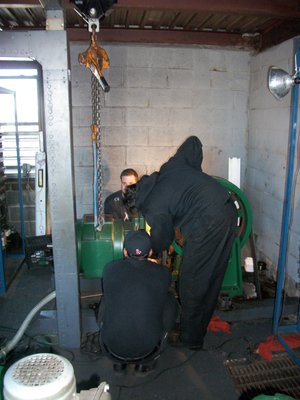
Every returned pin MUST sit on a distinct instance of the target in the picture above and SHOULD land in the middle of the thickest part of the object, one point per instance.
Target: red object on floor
(217, 325)
(271, 344)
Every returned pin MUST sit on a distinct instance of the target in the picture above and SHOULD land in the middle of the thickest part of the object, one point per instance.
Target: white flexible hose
(13, 342)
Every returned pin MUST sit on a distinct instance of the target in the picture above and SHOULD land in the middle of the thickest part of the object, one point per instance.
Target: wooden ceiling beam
(164, 37)
(279, 34)
(20, 4)
(271, 8)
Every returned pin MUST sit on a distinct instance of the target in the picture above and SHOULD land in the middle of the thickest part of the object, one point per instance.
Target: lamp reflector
(279, 82)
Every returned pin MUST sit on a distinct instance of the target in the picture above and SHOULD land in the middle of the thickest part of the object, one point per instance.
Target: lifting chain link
(97, 99)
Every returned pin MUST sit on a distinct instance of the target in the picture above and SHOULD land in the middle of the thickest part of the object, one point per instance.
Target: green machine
(2, 373)
(233, 279)
(96, 248)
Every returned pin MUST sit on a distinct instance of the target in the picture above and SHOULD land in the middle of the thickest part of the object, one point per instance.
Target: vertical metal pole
(60, 183)
(2, 274)
(20, 194)
(286, 215)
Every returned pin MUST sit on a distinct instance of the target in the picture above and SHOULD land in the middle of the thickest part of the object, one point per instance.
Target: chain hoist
(97, 99)
(95, 58)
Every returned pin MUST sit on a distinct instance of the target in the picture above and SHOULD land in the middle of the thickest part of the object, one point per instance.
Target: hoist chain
(96, 117)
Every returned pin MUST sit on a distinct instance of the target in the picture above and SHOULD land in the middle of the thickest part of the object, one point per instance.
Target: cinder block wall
(159, 95)
(267, 159)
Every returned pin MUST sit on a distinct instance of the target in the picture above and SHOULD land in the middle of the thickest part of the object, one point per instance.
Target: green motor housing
(96, 248)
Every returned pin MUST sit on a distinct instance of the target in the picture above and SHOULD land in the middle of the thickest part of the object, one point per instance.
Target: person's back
(182, 190)
(135, 297)
(135, 293)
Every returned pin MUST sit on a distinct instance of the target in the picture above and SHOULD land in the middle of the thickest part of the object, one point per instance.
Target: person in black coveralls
(114, 204)
(138, 309)
(181, 196)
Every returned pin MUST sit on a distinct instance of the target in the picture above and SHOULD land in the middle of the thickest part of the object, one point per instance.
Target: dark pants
(170, 315)
(205, 260)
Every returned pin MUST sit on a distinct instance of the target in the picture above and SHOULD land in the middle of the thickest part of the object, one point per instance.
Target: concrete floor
(180, 373)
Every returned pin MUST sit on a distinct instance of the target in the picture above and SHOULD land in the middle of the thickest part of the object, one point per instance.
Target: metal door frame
(50, 49)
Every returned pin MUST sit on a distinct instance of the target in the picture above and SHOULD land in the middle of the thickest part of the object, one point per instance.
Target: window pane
(24, 82)
(7, 108)
(19, 72)
(26, 96)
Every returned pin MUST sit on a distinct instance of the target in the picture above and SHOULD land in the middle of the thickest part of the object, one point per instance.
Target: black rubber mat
(281, 375)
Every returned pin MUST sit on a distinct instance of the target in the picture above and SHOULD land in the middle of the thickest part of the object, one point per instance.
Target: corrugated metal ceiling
(253, 24)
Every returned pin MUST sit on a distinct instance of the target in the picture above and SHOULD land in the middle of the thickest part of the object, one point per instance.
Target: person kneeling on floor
(138, 308)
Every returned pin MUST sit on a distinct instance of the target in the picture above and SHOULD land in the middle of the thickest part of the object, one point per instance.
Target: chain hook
(95, 59)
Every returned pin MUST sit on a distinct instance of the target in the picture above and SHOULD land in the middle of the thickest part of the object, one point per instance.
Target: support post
(50, 49)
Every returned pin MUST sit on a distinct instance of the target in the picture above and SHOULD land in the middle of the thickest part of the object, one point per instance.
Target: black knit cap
(137, 243)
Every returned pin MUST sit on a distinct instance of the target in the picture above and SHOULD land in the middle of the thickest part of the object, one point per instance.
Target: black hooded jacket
(181, 196)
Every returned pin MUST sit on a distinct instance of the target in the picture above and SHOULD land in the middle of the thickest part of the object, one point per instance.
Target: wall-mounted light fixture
(280, 82)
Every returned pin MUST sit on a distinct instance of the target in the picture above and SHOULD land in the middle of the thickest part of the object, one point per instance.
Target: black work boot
(120, 367)
(144, 368)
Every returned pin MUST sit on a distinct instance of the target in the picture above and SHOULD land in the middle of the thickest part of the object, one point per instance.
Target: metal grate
(281, 375)
(38, 370)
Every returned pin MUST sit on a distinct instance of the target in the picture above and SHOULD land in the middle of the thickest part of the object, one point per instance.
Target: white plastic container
(249, 264)
(40, 376)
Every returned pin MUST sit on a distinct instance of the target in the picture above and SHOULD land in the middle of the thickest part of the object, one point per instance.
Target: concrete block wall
(267, 159)
(159, 96)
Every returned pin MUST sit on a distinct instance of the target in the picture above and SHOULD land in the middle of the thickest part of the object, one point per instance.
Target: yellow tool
(95, 58)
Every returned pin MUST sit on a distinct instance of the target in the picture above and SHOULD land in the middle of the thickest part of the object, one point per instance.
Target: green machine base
(232, 285)
(233, 280)
(2, 373)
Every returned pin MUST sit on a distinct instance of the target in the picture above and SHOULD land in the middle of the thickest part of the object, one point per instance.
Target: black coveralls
(114, 206)
(182, 196)
(138, 308)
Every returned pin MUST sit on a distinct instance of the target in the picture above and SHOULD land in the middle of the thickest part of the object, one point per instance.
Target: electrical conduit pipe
(14, 341)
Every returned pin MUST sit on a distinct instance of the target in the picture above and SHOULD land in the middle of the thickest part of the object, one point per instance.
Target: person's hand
(153, 260)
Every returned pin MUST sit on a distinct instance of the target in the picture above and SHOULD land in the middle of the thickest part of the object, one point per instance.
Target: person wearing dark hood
(181, 196)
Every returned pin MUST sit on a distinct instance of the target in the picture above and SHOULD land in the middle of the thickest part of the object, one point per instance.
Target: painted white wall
(267, 158)
(160, 95)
